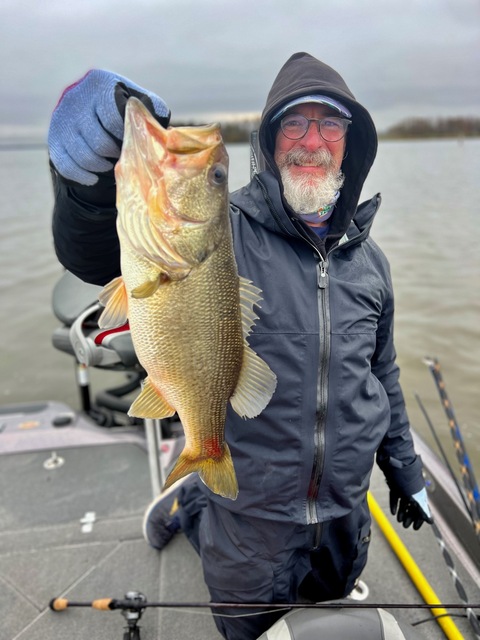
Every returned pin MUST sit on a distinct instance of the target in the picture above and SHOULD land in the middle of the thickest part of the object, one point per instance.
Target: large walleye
(189, 311)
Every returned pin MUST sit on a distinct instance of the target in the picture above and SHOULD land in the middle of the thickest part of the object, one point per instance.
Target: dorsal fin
(250, 295)
(256, 382)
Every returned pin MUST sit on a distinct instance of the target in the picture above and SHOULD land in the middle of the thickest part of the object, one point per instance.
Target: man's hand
(413, 509)
(86, 130)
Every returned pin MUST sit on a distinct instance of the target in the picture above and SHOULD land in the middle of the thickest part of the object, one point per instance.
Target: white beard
(309, 193)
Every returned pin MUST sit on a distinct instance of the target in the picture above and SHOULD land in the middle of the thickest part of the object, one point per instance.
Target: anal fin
(150, 403)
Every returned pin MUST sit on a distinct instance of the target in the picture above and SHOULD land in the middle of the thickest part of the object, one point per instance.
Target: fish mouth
(161, 152)
(192, 149)
(193, 140)
(188, 141)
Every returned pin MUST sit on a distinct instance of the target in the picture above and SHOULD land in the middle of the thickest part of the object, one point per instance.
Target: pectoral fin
(149, 287)
(114, 298)
(150, 403)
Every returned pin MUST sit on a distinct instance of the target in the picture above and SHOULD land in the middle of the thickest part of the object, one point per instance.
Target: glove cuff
(94, 198)
(158, 109)
(407, 480)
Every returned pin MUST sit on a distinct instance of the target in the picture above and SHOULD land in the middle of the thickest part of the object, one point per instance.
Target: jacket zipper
(322, 380)
(312, 516)
(322, 392)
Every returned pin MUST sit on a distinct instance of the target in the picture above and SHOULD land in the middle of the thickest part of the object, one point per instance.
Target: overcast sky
(401, 58)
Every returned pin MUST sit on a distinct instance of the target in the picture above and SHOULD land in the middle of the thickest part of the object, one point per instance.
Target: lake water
(428, 225)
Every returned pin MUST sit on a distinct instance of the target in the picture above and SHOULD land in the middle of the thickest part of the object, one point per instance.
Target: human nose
(312, 139)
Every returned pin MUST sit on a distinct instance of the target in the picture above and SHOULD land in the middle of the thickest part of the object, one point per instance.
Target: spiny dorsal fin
(250, 295)
(150, 403)
(113, 296)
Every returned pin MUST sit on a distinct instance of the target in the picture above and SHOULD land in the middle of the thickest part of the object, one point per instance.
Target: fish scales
(189, 312)
(204, 344)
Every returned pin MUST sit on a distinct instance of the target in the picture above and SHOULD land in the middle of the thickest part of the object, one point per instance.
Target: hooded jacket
(325, 328)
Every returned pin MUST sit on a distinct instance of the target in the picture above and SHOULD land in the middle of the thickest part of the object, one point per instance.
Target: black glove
(86, 129)
(411, 510)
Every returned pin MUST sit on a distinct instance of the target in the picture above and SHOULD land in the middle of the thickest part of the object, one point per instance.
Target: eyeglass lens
(295, 126)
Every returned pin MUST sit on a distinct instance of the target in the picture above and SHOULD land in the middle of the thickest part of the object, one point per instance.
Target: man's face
(311, 142)
(310, 166)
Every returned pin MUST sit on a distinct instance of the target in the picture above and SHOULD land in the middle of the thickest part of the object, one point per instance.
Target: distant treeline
(411, 128)
(434, 128)
(231, 131)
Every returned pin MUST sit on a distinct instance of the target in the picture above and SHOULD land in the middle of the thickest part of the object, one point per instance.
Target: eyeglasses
(295, 126)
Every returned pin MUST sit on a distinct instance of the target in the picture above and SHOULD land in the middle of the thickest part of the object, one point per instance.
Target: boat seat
(75, 304)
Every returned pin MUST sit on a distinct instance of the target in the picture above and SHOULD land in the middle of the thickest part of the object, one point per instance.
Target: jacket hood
(301, 75)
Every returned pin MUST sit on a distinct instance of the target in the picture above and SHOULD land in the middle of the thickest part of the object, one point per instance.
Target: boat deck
(51, 547)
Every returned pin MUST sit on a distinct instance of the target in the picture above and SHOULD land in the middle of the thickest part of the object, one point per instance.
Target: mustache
(299, 157)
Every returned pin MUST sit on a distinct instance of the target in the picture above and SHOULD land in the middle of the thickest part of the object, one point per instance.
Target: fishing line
(442, 615)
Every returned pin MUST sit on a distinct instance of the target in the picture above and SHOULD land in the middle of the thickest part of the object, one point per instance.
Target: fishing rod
(472, 618)
(468, 477)
(134, 604)
(112, 604)
(444, 456)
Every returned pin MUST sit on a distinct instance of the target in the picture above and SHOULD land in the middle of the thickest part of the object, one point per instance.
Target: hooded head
(302, 76)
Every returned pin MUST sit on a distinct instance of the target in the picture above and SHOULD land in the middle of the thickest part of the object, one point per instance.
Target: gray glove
(86, 129)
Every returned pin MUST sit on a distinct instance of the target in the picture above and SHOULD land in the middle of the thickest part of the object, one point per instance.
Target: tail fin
(217, 473)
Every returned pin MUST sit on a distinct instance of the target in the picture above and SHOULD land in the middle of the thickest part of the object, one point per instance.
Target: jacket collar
(262, 200)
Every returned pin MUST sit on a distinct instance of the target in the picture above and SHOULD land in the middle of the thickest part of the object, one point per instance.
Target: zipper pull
(322, 275)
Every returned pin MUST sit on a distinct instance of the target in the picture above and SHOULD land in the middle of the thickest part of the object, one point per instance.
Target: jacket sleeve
(84, 228)
(396, 455)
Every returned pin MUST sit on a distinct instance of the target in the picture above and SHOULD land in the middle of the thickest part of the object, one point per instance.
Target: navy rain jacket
(325, 325)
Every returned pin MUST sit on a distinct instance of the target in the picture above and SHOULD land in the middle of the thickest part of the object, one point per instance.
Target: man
(299, 528)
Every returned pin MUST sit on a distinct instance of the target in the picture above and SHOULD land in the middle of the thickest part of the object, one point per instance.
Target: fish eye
(217, 174)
